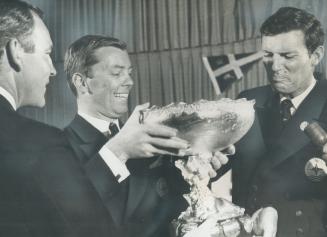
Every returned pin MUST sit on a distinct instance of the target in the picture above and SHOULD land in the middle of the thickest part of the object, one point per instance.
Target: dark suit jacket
(268, 168)
(146, 202)
(43, 189)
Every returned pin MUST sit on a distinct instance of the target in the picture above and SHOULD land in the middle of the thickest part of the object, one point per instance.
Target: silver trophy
(208, 126)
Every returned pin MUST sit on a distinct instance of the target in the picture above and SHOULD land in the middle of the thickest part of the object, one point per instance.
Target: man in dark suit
(143, 195)
(269, 167)
(44, 189)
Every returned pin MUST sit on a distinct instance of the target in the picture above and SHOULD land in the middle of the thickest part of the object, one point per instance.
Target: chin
(40, 103)
(122, 109)
(281, 88)
(120, 113)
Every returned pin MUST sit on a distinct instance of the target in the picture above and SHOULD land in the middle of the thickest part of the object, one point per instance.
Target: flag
(223, 70)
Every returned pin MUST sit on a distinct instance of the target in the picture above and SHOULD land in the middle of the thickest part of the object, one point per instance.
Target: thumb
(256, 220)
(141, 107)
(135, 116)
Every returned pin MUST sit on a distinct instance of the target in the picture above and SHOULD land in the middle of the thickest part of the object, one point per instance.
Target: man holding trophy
(145, 195)
(276, 163)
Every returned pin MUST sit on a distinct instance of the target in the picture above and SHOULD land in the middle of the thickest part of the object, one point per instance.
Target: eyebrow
(287, 53)
(116, 66)
(281, 53)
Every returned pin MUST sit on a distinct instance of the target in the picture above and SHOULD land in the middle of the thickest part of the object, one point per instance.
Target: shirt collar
(296, 101)
(8, 97)
(99, 124)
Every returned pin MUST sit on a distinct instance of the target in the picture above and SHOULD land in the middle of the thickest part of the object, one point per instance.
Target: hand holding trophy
(210, 127)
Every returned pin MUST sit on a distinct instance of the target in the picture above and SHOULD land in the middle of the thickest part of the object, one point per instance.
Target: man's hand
(220, 158)
(207, 229)
(205, 165)
(265, 222)
(137, 140)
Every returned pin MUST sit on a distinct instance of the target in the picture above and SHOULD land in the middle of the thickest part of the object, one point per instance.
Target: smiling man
(142, 193)
(141, 200)
(110, 82)
(270, 163)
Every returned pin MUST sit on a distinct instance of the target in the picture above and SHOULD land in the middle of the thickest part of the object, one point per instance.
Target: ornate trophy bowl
(208, 126)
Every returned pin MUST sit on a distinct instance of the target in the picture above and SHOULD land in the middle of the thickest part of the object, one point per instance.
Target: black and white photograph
(163, 118)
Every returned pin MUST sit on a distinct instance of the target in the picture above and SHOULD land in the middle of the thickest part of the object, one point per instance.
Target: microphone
(316, 168)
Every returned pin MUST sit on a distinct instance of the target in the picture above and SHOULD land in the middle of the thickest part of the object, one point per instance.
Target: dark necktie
(112, 130)
(285, 110)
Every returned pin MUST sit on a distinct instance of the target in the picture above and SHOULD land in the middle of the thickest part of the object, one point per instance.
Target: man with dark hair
(44, 189)
(269, 167)
(143, 195)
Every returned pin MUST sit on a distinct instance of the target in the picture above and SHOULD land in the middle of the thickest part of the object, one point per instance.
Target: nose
(53, 71)
(277, 62)
(128, 79)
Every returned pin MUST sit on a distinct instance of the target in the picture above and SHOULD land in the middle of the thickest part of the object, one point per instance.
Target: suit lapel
(90, 140)
(269, 118)
(5, 104)
(292, 138)
(137, 188)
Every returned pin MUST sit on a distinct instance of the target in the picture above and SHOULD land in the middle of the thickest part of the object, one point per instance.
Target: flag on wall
(225, 69)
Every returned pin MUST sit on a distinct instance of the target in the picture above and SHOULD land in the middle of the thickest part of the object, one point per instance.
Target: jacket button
(162, 187)
(298, 213)
(254, 188)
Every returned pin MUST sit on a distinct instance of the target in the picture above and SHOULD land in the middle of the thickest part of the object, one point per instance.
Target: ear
(14, 52)
(317, 55)
(79, 83)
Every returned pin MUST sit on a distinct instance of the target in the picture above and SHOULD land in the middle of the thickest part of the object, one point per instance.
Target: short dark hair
(16, 21)
(290, 18)
(80, 55)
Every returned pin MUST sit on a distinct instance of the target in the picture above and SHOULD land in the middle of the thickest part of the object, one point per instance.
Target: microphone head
(304, 125)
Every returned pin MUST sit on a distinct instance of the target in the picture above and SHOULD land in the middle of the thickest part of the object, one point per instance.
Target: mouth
(121, 95)
(46, 87)
(279, 77)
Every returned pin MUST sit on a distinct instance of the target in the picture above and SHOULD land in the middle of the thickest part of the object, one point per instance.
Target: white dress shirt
(118, 168)
(296, 101)
(8, 97)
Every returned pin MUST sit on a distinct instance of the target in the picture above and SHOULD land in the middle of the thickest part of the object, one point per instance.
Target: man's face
(288, 63)
(110, 82)
(37, 67)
